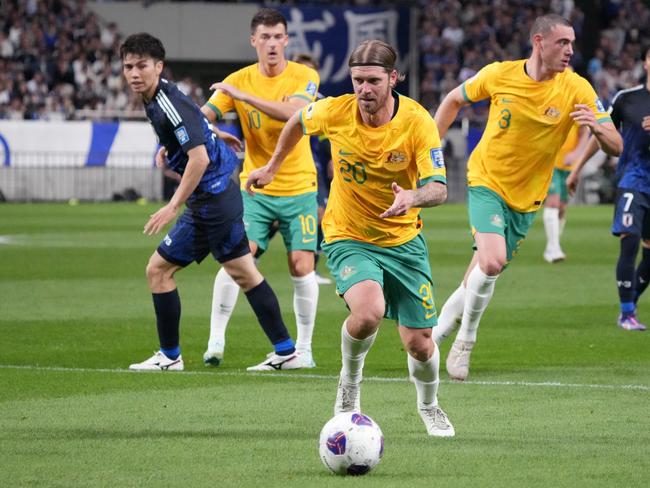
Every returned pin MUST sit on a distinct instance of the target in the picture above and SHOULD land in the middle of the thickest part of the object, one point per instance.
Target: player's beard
(372, 106)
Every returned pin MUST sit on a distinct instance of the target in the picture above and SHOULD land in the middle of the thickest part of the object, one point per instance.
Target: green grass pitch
(557, 394)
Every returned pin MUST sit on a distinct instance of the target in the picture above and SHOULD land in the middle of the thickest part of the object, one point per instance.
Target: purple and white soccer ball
(351, 444)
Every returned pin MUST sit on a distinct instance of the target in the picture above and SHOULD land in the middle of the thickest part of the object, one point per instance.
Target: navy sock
(168, 315)
(625, 279)
(267, 309)
(642, 274)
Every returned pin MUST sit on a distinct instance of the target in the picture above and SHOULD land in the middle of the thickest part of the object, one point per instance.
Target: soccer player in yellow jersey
(265, 95)
(534, 104)
(388, 165)
(555, 205)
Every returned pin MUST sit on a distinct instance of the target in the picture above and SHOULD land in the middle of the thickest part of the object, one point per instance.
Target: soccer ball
(351, 443)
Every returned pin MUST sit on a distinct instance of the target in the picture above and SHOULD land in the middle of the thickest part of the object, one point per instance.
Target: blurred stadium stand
(59, 62)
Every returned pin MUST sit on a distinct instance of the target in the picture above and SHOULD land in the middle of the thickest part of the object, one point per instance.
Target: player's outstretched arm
(608, 137)
(448, 110)
(429, 195)
(196, 165)
(277, 110)
(289, 137)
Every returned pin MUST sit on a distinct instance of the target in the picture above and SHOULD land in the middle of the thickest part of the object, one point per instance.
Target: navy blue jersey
(181, 126)
(628, 109)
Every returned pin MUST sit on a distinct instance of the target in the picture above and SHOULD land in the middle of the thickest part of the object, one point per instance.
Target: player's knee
(155, 274)
(301, 264)
(493, 265)
(370, 316)
(419, 344)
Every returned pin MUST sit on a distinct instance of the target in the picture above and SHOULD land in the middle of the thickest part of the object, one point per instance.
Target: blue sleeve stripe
(605, 119)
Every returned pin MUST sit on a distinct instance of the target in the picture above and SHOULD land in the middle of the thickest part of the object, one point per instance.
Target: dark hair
(268, 17)
(306, 59)
(375, 53)
(143, 44)
(545, 23)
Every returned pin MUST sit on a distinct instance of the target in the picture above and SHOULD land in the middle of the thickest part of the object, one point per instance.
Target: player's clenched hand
(229, 90)
(160, 219)
(259, 178)
(584, 116)
(402, 203)
(231, 140)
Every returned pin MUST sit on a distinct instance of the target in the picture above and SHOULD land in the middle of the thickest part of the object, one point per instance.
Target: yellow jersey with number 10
(528, 123)
(367, 160)
(261, 132)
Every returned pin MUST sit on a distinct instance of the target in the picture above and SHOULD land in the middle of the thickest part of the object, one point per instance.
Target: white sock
(305, 301)
(224, 298)
(353, 355)
(562, 225)
(451, 311)
(425, 377)
(480, 288)
(552, 228)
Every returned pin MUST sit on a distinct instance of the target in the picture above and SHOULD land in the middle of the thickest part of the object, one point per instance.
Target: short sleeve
(219, 102)
(428, 151)
(307, 86)
(187, 121)
(586, 95)
(314, 117)
(479, 86)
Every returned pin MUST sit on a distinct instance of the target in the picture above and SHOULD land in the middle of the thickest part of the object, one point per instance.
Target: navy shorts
(632, 213)
(209, 224)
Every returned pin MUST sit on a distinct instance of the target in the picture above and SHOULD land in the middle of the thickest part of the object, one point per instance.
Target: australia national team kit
(212, 221)
(633, 171)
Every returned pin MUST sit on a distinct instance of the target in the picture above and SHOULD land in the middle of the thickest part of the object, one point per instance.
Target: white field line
(297, 375)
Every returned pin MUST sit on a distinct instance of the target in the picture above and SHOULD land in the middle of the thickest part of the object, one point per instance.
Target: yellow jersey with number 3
(528, 123)
(261, 132)
(367, 160)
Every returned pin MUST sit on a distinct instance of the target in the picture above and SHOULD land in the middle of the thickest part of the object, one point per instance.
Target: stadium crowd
(59, 61)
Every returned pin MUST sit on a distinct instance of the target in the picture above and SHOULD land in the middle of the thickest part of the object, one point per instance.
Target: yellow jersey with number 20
(367, 160)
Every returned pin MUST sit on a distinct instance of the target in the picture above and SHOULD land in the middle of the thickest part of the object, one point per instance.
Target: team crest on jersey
(311, 88)
(310, 111)
(552, 112)
(347, 271)
(396, 157)
(181, 135)
(496, 220)
(437, 158)
(600, 106)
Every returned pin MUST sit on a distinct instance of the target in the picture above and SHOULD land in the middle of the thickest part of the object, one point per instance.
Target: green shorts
(558, 184)
(489, 213)
(297, 216)
(402, 271)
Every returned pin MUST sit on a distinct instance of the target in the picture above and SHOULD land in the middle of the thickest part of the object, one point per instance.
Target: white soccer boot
(275, 362)
(458, 359)
(348, 397)
(159, 362)
(436, 421)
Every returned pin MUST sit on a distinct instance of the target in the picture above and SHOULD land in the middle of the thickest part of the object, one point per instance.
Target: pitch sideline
(379, 379)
